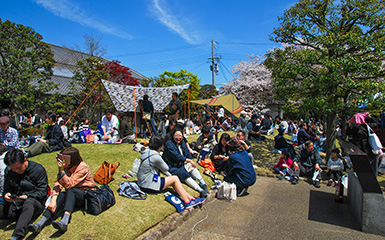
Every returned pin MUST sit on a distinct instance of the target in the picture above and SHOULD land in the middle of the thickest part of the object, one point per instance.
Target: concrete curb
(172, 222)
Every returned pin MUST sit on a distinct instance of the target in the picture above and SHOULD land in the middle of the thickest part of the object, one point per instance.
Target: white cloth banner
(124, 100)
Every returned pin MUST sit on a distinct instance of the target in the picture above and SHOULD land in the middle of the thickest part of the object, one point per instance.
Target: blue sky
(152, 36)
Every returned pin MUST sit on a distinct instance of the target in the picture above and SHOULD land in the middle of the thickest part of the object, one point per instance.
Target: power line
(255, 44)
(157, 51)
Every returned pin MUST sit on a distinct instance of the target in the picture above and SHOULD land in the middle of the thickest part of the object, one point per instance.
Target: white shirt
(221, 112)
(109, 125)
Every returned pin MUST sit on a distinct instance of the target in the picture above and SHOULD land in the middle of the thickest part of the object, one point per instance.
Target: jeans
(278, 170)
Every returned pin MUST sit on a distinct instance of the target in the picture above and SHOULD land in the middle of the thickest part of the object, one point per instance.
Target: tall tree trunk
(331, 133)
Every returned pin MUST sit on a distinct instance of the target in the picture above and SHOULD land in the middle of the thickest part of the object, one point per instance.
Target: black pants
(334, 175)
(31, 208)
(306, 171)
(67, 200)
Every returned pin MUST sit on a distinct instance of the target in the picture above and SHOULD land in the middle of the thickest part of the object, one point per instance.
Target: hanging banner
(122, 96)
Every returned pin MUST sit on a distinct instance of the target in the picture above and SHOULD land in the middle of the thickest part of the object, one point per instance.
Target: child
(283, 164)
(335, 167)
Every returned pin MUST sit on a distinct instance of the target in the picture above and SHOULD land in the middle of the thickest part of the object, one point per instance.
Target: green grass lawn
(128, 218)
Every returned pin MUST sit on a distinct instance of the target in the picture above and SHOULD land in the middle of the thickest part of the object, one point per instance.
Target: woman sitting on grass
(284, 164)
(219, 155)
(149, 179)
(75, 176)
(179, 160)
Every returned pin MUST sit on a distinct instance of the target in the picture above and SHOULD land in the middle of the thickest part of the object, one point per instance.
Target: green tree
(207, 91)
(168, 79)
(25, 66)
(333, 56)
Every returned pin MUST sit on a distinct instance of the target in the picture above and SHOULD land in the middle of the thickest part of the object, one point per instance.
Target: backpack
(131, 190)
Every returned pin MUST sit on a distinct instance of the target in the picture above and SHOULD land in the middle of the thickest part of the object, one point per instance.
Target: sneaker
(255, 167)
(294, 181)
(243, 192)
(204, 193)
(280, 177)
(329, 183)
(317, 184)
(194, 202)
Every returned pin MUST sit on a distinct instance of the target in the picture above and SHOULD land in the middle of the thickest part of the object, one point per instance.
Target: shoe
(204, 193)
(317, 184)
(60, 226)
(34, 228)
(194, 202)
(204, 187)
(329, 183)
(294, 181)
(255, 167)
(243, 192)
(280, 177)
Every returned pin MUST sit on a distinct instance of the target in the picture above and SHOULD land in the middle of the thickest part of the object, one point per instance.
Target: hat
(234, 143)
(243, 112)
(254, 116)
(180, 121)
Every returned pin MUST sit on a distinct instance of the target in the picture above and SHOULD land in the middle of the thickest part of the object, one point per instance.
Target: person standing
(175, 107)
(25, 190)
(9, 137)
(148, 109)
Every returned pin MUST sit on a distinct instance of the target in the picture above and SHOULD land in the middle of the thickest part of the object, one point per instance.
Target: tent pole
(136, 130)
(189, 121)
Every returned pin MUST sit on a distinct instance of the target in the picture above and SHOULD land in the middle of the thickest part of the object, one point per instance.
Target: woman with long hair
(75, 177)
(179, 159)
(219, 155)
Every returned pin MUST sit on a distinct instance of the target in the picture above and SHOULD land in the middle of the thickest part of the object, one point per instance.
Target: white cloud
(179, 26)
(70, 11)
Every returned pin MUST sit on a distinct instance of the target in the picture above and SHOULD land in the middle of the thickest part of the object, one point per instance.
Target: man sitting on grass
(306, 163)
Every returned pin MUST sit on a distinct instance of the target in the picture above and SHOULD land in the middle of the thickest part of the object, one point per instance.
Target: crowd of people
(25, 187)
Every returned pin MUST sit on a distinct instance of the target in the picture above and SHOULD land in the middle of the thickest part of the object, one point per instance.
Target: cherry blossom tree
(252, 84)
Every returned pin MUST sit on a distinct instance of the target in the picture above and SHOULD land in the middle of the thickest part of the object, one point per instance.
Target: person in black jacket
(25, 190)
(148, 109)
(53, 141)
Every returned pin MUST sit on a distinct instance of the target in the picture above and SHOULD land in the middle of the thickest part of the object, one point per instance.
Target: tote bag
(374, 141)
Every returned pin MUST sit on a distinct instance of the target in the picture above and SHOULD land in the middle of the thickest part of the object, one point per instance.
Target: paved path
(274, 210)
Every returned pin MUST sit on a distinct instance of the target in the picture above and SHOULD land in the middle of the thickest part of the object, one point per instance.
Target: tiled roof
(66, 60)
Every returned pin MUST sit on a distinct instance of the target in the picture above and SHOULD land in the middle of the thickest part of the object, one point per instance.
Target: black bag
(99, 200)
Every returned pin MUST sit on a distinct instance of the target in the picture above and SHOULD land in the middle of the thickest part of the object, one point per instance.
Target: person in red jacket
(283, 164)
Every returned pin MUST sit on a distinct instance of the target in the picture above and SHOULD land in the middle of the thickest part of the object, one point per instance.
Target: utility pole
(214, 66)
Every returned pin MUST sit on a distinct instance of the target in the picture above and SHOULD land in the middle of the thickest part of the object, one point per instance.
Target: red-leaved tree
(120, 74)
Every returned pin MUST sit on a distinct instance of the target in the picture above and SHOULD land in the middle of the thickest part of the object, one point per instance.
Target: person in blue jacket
(179, 159)
(241, 171)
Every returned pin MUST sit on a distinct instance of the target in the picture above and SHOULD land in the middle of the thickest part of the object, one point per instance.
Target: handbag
(146, 115)
(374, 141)
(227, 191)
(99, 200)
(104, 174)
(90, 138)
